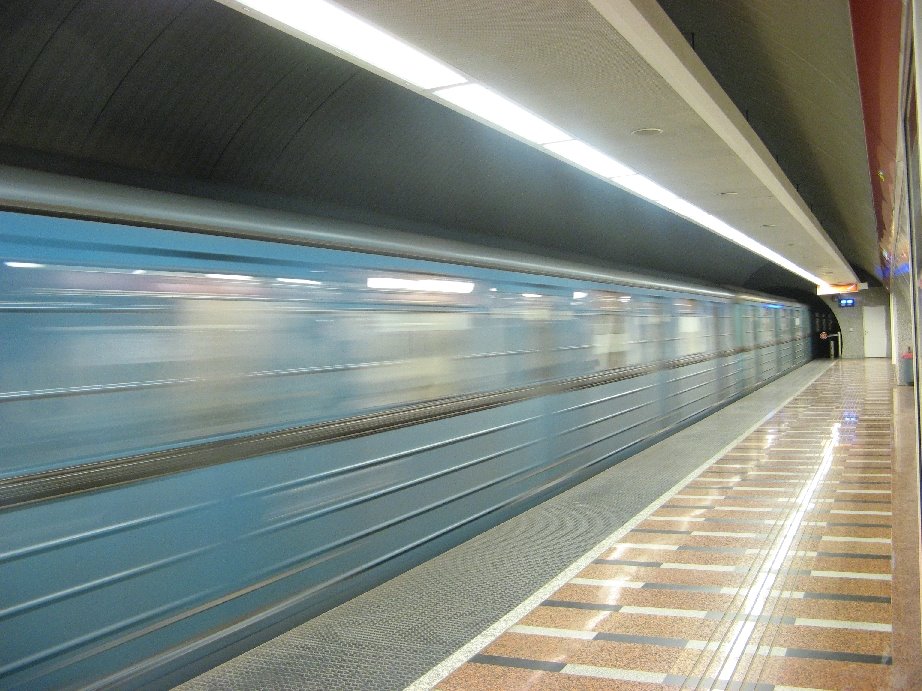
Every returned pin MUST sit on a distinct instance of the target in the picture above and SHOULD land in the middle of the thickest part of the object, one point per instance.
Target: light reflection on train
(123, 360)
(406, 404)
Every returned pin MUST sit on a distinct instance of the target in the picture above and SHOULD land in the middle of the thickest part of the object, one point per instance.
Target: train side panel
(341, 417)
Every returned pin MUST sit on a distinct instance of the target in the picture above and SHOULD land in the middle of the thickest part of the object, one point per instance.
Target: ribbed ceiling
(193, 97)
(789, 65)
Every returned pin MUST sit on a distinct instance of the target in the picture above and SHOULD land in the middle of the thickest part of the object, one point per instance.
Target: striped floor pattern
(771, 569)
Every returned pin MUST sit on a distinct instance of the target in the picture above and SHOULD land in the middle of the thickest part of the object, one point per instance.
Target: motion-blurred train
(213, 432)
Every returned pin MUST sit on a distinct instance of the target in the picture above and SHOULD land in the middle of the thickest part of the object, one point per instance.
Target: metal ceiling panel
(790, 67)
(600, 69)
(191, 96)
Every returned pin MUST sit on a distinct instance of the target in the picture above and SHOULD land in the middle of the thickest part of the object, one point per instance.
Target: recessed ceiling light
(727, 194)
(647, 131)
(769, 225)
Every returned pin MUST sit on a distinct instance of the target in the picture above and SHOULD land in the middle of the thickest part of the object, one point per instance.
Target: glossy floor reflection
(772, 569)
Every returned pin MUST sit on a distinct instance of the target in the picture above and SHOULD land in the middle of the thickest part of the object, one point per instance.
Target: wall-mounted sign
(839, 288)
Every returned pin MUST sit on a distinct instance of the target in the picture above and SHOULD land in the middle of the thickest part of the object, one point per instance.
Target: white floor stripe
(644, 545)
(853, 574)
(702, 645)
(861, 513)
(723, 533)
(776, 472)
(463, 654)
(837, 538)
(665, 611)
(607, 582)
(698, 567)
(614, 673)
(555, 633)
(759, 489)
(864, 491)
(840, 624)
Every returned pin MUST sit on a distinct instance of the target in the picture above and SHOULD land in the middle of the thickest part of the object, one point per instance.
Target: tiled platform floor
(772, 569)
(391, 635)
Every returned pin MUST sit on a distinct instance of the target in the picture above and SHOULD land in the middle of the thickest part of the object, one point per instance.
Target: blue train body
(207, 439)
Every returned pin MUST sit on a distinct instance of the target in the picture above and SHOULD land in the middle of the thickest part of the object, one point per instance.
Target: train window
(787, 331)
(725, 331)
(647, 336)
(693, 327)
(610, 316)
(766, 326)
(748, 318)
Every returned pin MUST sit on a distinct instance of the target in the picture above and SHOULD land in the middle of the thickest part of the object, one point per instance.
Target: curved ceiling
(193, 97)
(790, 66)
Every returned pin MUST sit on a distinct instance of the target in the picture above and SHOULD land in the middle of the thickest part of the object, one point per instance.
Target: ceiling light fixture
(645, 187)
(343, 31)
(330, 26)
(499, 110)
(591, 159)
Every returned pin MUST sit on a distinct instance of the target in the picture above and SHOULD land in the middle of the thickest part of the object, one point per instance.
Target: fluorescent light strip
(646, 188)
(499, 110)
(344, 31)
(350, 34)
(593, 160)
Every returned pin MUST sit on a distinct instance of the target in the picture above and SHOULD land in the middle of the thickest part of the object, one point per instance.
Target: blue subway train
(216, 424)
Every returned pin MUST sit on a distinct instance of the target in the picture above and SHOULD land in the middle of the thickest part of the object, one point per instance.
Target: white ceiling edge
(679, 67)
(647, 27)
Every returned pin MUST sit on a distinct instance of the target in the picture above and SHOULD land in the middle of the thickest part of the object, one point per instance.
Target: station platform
(773, 545)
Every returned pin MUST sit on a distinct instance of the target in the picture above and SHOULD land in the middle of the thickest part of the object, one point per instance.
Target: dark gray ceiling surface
(190, 96)
(790, 67)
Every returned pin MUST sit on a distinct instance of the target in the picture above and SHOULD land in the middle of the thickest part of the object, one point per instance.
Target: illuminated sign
(836, 288)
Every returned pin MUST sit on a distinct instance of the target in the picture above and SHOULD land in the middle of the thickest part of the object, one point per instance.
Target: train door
(649, 346)
(765, 338)
(775, 320)
(750, 369)
(724, 345)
